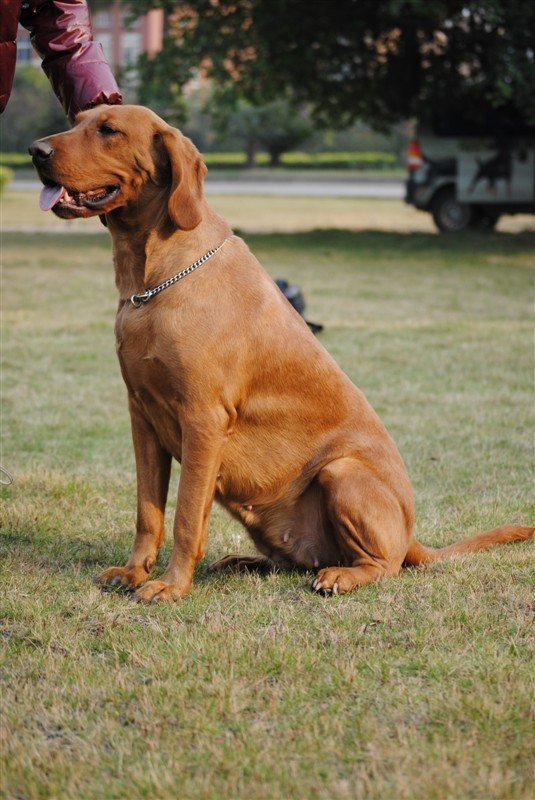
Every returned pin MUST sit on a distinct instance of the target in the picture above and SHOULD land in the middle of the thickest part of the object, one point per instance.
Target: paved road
(392, 189)
(279, 188)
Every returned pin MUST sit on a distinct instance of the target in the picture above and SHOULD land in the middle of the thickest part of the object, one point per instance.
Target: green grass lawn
(417, 687)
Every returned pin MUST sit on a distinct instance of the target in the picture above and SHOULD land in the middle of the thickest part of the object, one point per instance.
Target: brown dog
(224, 376)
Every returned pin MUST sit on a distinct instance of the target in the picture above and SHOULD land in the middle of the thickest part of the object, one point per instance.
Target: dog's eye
(105, 130)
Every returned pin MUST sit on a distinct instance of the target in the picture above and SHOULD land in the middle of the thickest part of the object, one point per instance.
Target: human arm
(60, 31)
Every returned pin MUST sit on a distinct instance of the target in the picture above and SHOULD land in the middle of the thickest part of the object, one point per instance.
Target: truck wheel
(449, 215)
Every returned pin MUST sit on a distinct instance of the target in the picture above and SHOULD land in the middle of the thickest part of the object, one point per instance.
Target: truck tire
(449, 215)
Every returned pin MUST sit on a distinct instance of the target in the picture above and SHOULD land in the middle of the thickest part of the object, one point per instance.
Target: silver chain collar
(138, 299)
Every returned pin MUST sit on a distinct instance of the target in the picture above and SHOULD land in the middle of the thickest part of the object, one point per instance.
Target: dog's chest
(152, 378)
(146, 362)
(141, 364)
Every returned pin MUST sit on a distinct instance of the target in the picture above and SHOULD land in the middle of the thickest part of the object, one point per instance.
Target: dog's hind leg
(369, 524)
(153, 466)
(237, 563)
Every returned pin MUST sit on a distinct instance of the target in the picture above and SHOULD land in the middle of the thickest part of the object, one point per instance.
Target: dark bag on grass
(294, 295)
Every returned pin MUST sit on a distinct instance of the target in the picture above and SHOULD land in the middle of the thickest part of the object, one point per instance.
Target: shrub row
(298, 160)
(5, 176)
(348, 160)
(352, 160)
(15, 160)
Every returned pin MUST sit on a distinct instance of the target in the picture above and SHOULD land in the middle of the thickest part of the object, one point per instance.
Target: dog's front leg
(153, 466)
(202, 444)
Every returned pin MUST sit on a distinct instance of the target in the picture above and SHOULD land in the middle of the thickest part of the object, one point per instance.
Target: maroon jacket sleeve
(60, 31)
(9, 20)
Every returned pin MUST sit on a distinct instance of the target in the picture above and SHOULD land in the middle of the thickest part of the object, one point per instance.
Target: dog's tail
(419, 554)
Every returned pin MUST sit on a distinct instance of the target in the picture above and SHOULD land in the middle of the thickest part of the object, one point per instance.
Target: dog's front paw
(154, 591)
(131, 577)
(334, 580)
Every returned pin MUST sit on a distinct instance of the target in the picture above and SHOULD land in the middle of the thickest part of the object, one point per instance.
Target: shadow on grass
(79, 562)
(403, 243)
(407, 242)
(53, 550)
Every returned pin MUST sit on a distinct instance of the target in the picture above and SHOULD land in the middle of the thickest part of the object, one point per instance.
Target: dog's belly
(294, 532)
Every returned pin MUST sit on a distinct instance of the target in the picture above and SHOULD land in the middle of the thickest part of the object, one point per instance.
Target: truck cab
(468, 175)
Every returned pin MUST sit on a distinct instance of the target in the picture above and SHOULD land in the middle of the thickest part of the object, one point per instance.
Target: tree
(162, 79)
(282, 128)
(239, 121)
(277, 126)
(375, 60)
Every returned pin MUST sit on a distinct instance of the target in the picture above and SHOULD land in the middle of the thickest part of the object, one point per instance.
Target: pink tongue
(50, 196)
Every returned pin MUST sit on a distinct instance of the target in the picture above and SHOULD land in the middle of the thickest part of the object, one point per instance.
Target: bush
(15, 160)
(298, 160)
(5, 176)
(347, 160)
(224, 160)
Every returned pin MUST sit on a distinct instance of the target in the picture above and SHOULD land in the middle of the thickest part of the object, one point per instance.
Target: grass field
(416, 688)
(256, 214)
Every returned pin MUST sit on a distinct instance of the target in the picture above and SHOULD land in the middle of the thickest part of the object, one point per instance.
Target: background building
(122, 38)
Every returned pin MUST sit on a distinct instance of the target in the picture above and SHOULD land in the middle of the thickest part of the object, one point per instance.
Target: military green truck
(468, 175)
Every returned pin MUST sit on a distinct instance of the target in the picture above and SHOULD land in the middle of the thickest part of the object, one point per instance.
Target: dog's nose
(41, 150)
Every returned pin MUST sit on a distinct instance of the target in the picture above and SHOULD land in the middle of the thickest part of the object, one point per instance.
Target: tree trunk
(251, 151)
(275, 158)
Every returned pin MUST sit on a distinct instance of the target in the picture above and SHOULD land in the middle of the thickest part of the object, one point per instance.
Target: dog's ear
(187, 179)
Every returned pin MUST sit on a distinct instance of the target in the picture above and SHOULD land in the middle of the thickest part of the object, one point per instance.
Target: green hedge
(15, 160)
(356, 160)
(225, 160)
(5, 176)
(297, 160)
(293, 160)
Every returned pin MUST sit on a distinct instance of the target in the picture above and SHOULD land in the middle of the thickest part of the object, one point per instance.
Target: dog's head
(113, 157)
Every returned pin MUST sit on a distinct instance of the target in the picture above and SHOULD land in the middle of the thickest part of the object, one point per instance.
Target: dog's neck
(148, 249)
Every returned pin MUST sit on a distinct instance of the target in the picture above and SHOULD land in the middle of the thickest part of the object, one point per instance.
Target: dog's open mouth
(72, 202)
